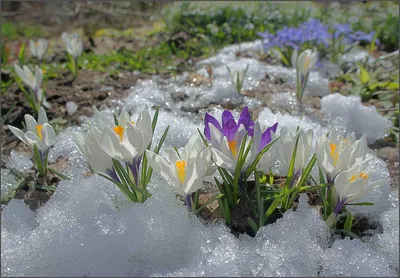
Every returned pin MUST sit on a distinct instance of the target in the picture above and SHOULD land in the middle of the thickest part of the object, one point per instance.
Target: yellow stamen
(133, 122)
(362, 175)
(334, 153)
(39, 131)
(119, 130)
(180, 168)
(232, 147)
(37, 43)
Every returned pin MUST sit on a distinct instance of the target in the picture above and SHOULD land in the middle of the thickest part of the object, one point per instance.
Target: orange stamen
(39, 131)
(180, 168)
(232, 147)
(119, 130)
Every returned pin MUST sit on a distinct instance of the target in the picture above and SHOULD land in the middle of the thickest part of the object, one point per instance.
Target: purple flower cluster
(314, 32)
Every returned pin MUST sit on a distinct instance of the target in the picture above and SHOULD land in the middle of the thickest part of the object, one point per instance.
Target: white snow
(349, 112)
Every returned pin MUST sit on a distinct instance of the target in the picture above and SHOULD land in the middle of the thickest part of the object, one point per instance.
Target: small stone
(72, 107)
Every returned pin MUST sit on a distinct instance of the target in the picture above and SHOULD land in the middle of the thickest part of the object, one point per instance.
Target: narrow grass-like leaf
(306, 172)
(361, 204)
(57, 173)
(253, 165)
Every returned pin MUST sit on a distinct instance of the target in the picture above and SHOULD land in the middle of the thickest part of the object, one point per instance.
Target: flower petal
(208, 119)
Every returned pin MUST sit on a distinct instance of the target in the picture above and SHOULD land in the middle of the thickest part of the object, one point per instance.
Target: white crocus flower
(73, 44)
(39, 133)
(336, 153)
(98, 159)
(34, 82)
(185, 170)
(126, 140)
(286, 143)
(38, 48)
(349, 186)
(238, 77)
(305, 62)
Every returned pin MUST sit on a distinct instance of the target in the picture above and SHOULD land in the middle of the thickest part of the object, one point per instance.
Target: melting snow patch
(19, 162)
(349, 112)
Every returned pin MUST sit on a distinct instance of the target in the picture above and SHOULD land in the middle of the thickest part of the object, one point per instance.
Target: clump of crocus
(38, 48)
(116, 150)
(238, 78)
(303, 64)
(236, 149)
(36, 97)
(74, 47)
(40, 136)
(185, 170)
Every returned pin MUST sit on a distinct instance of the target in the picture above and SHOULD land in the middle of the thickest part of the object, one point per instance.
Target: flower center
(334, 153)
(232, 147)
(119, 130)
(39, 131)
(362, 175)
(133, 122)
(180, 168)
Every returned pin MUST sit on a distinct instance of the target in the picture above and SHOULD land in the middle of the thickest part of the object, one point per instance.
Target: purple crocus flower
(229, 126)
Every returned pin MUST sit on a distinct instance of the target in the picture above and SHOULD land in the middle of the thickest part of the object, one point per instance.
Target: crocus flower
(238, 78)
(98, 159)
(285, 147)
(125, 140)
(40, 133)
(184, 170)
(305, 62)
(38, 48)
(34, 82)
(226, 138)
(351, 185)
(73, 44)
(336, 153)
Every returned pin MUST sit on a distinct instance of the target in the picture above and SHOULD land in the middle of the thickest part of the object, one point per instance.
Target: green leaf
(307, 170)
(273, 206)
(349, 221)
(156, 150)
(115, 119)
(155, 118)
(290, 174)
(55, 172)
(253, 165)
(361, 204)
(350, 234)
(252, 225)
(364, 75)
